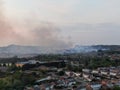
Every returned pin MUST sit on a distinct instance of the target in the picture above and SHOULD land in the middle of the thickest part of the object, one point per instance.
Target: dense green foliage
(16, 81)
(116, 88)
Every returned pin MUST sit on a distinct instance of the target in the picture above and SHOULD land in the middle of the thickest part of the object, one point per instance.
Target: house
(95, 72)
(104, 72)
(43, 79)
(21, 64)
(6, 64)
(86, 70)
(88, 77)
(113, 73)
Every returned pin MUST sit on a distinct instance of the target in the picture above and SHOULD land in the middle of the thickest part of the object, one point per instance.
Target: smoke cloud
(7, 33)
(38, 33)
(43, 34)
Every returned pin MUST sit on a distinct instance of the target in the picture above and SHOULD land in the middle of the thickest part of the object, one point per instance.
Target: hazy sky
(84, 22)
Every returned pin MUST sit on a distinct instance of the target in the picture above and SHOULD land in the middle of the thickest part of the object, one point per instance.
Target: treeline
(89, 60)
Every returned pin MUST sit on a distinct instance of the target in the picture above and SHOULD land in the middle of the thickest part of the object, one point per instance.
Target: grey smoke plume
(46, 35)
(33, 33)
(7, 33)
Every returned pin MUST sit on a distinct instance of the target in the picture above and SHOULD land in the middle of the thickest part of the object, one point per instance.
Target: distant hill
(27, 51)
(21, 51)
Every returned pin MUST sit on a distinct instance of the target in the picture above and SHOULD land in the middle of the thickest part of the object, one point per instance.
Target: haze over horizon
(59, 23)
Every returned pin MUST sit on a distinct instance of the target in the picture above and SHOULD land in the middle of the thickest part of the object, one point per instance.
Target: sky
(60, 23)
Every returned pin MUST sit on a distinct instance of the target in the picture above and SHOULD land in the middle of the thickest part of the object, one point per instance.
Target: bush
(116, 88)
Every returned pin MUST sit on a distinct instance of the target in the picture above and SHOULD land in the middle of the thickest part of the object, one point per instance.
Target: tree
(116, 87)
(61, 73)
